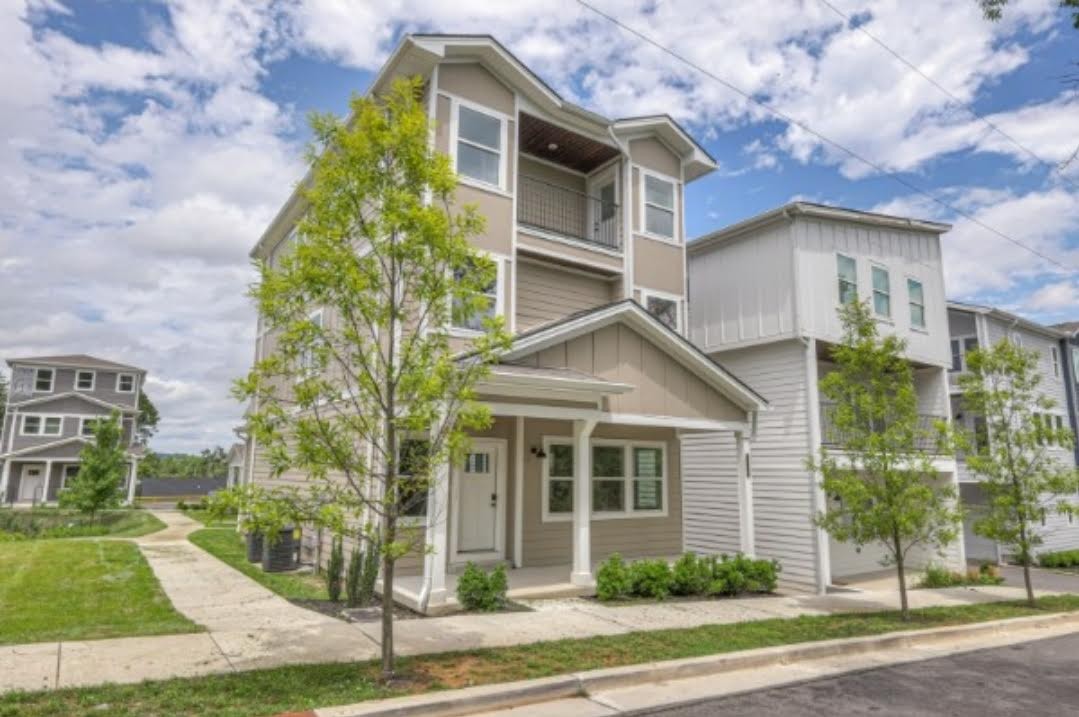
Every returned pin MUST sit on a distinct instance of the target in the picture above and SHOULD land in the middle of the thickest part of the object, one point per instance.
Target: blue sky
(147, 144)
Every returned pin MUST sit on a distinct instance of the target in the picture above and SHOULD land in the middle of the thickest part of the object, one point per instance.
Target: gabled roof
(1008, 317)
(73, 394)
(817, 211)
(73, 361)
(1069, 327)
(630, 313)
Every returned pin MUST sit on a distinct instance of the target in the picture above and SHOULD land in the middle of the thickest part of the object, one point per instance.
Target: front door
(479, 502)
(31, 484)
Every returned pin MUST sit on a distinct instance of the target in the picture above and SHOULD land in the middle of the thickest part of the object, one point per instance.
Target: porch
(30, 481)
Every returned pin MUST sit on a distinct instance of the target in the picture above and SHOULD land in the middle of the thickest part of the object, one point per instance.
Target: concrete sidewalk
(250, 627)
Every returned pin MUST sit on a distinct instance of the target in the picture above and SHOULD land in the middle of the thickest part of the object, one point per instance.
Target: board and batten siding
(546, 293)
(782, 487)
(711, 520)
(743, 290)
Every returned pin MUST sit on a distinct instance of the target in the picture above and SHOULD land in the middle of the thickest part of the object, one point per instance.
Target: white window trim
(924, 328)
(64, 472)
(52, 380)
(41, 425)
(93, 379)
(500, 300)
(119, 376)
(503, 172)
(83, 420)
(649, 293)
(1054, 358)
(873, 291)
(643, 204)
(628, 480)
(857, 294)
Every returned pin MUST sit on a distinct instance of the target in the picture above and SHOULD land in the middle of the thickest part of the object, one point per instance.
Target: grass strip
(227, 545)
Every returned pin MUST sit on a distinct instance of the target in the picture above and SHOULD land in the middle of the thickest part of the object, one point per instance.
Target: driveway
(1032, 678)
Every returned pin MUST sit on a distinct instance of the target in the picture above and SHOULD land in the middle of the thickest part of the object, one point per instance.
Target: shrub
(370, 572)
(1059, 559)
(690, 575)
(181, 505)
(762, 575)
(354, 578)
(612, 579)
(334, 570)
(937, 576)
(651, 578)
(481, 591)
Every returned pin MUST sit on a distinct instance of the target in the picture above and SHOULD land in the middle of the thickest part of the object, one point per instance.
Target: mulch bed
(371, 613)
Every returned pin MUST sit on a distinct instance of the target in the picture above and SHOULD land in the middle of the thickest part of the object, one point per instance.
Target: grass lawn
(61, 523)
(81, 590)
(267, 692)
(203, 516)
(228, 546)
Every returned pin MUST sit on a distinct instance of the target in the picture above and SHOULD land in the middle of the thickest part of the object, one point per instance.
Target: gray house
(52, 406)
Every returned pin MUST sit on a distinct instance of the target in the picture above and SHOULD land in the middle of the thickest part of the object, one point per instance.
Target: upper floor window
(847, 271)
(84, 380)
(479, 146)
(882, 292)
(87, 426)
(664, 308)
(308, 360)
(962, 346)
(41, 425)
(1054, 357)
(658, 206)
(469, 318)
(43, 379)
(125, 383)
(916, 297)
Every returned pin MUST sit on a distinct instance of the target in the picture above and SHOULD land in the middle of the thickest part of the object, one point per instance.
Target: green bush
(334, 570)
(938, 576)
(1059, 559)
(181, 505)
(651, 578)
(370, 572)
(612, 579)
(6, 537)
(691, 575)
(481, 591)
(354, 578)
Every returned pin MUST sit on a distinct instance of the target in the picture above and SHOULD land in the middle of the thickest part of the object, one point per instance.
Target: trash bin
(280, 555)
(254, 547)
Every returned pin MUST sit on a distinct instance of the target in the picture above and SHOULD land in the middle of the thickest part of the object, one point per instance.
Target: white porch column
(518, 490)
(48, 479)
(133, 478)
(5, 476)
(745, 492)
(433, 591)
(582, 502)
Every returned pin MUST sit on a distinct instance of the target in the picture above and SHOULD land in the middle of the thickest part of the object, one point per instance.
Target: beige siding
(658, 266)
(529, 167)
(654, 155)
(546, 293)
(476, 84)
(567, 251)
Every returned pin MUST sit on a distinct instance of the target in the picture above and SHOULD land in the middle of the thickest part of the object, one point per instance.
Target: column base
(584, 579)
(437, 597)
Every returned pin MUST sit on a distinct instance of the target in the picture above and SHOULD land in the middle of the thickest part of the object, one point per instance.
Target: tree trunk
(901, 572)
(388, 667)
(1024, 557)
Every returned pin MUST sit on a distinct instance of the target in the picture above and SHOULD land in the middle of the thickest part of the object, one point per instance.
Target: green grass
(228, 546)
(81, 590)
(267, 692)
(61, 523)
(203, 516)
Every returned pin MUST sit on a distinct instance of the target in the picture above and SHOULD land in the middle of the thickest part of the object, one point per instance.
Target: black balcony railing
(832, 436)
(568, 213)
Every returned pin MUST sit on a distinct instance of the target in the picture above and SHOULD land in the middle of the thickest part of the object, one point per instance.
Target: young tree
(363, 393)
(148, 418)
(880, 477)
(1018, 472)
(102, 467)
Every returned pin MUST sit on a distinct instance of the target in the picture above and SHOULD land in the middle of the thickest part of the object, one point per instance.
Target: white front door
(479, 500)
(31, 484)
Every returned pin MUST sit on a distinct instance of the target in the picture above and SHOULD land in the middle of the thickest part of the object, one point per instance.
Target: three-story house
(585, 221)
(53, 402)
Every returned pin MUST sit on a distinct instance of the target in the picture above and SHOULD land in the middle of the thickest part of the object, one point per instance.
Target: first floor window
(647, 479)
(627, 478)
(412, 476)
(469, 316)
(916, 296)
(43, 380)
(882, 292)
(608, 479)
(70, 473)
(658, 206)
(847, 271)
(560, 479)
(125, 383)
(666, 310)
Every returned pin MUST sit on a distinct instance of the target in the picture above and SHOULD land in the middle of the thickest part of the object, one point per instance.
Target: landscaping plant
(612, 579)
(690, 576)
(651, 578)
(102, 465)
(1059, 559)
(937, 576)
(1014, 460)
(355, 397)
(481, 591)
(334, 570)
(370, 572)
(354, 578)
(878, 470)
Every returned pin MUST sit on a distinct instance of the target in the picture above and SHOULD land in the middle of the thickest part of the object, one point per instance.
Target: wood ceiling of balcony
(574, 150)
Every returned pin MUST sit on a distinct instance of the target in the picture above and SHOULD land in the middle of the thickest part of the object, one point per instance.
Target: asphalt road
(1029, 679)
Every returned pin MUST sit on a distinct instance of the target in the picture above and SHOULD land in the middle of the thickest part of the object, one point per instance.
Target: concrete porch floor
(524, 584)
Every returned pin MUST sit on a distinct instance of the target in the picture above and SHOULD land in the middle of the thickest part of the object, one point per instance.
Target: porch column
(745, 492)
(433, 591)
(133, 478)
(5, 476)
(48, 480)
(582, 503)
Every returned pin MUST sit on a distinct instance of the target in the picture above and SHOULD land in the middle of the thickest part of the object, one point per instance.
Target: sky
(145, 145)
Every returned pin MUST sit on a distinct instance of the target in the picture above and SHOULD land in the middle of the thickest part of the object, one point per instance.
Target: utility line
(823, 138)
(1056, 167)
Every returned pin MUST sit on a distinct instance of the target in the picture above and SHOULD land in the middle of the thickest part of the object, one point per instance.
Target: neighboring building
(237, 455)
(764, 299)
(1070, 357)
(972, 327)
(53, 402)
(585, 221)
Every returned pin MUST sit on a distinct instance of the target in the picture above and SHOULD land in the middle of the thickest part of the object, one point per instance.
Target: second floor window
(43, 380)
(882, 292)
(658, 206)
(916, 297)
(479, 146)
(847, 271)
(960, 348)
(125, 383)
(1054, 356)
(84, 380)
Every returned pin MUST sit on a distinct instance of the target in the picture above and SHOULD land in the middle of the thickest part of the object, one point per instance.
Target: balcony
(565, 212)
(832, 437)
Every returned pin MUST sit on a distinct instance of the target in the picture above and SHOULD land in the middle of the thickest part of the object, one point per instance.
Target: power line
(1056, 167)
(823, 138)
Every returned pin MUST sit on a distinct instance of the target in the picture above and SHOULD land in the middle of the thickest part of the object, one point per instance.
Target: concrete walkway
(250, 627)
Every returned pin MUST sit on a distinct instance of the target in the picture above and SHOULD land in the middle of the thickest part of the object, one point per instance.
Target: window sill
(658, 237)
(640, 514)
(484, 186)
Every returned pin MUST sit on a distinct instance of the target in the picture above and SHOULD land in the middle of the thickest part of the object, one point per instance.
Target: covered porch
(36, 477)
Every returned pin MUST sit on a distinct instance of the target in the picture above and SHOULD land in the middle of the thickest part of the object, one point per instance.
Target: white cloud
(1052, 298)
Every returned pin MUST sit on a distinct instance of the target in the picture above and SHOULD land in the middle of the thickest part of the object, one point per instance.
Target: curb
(471, 700)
